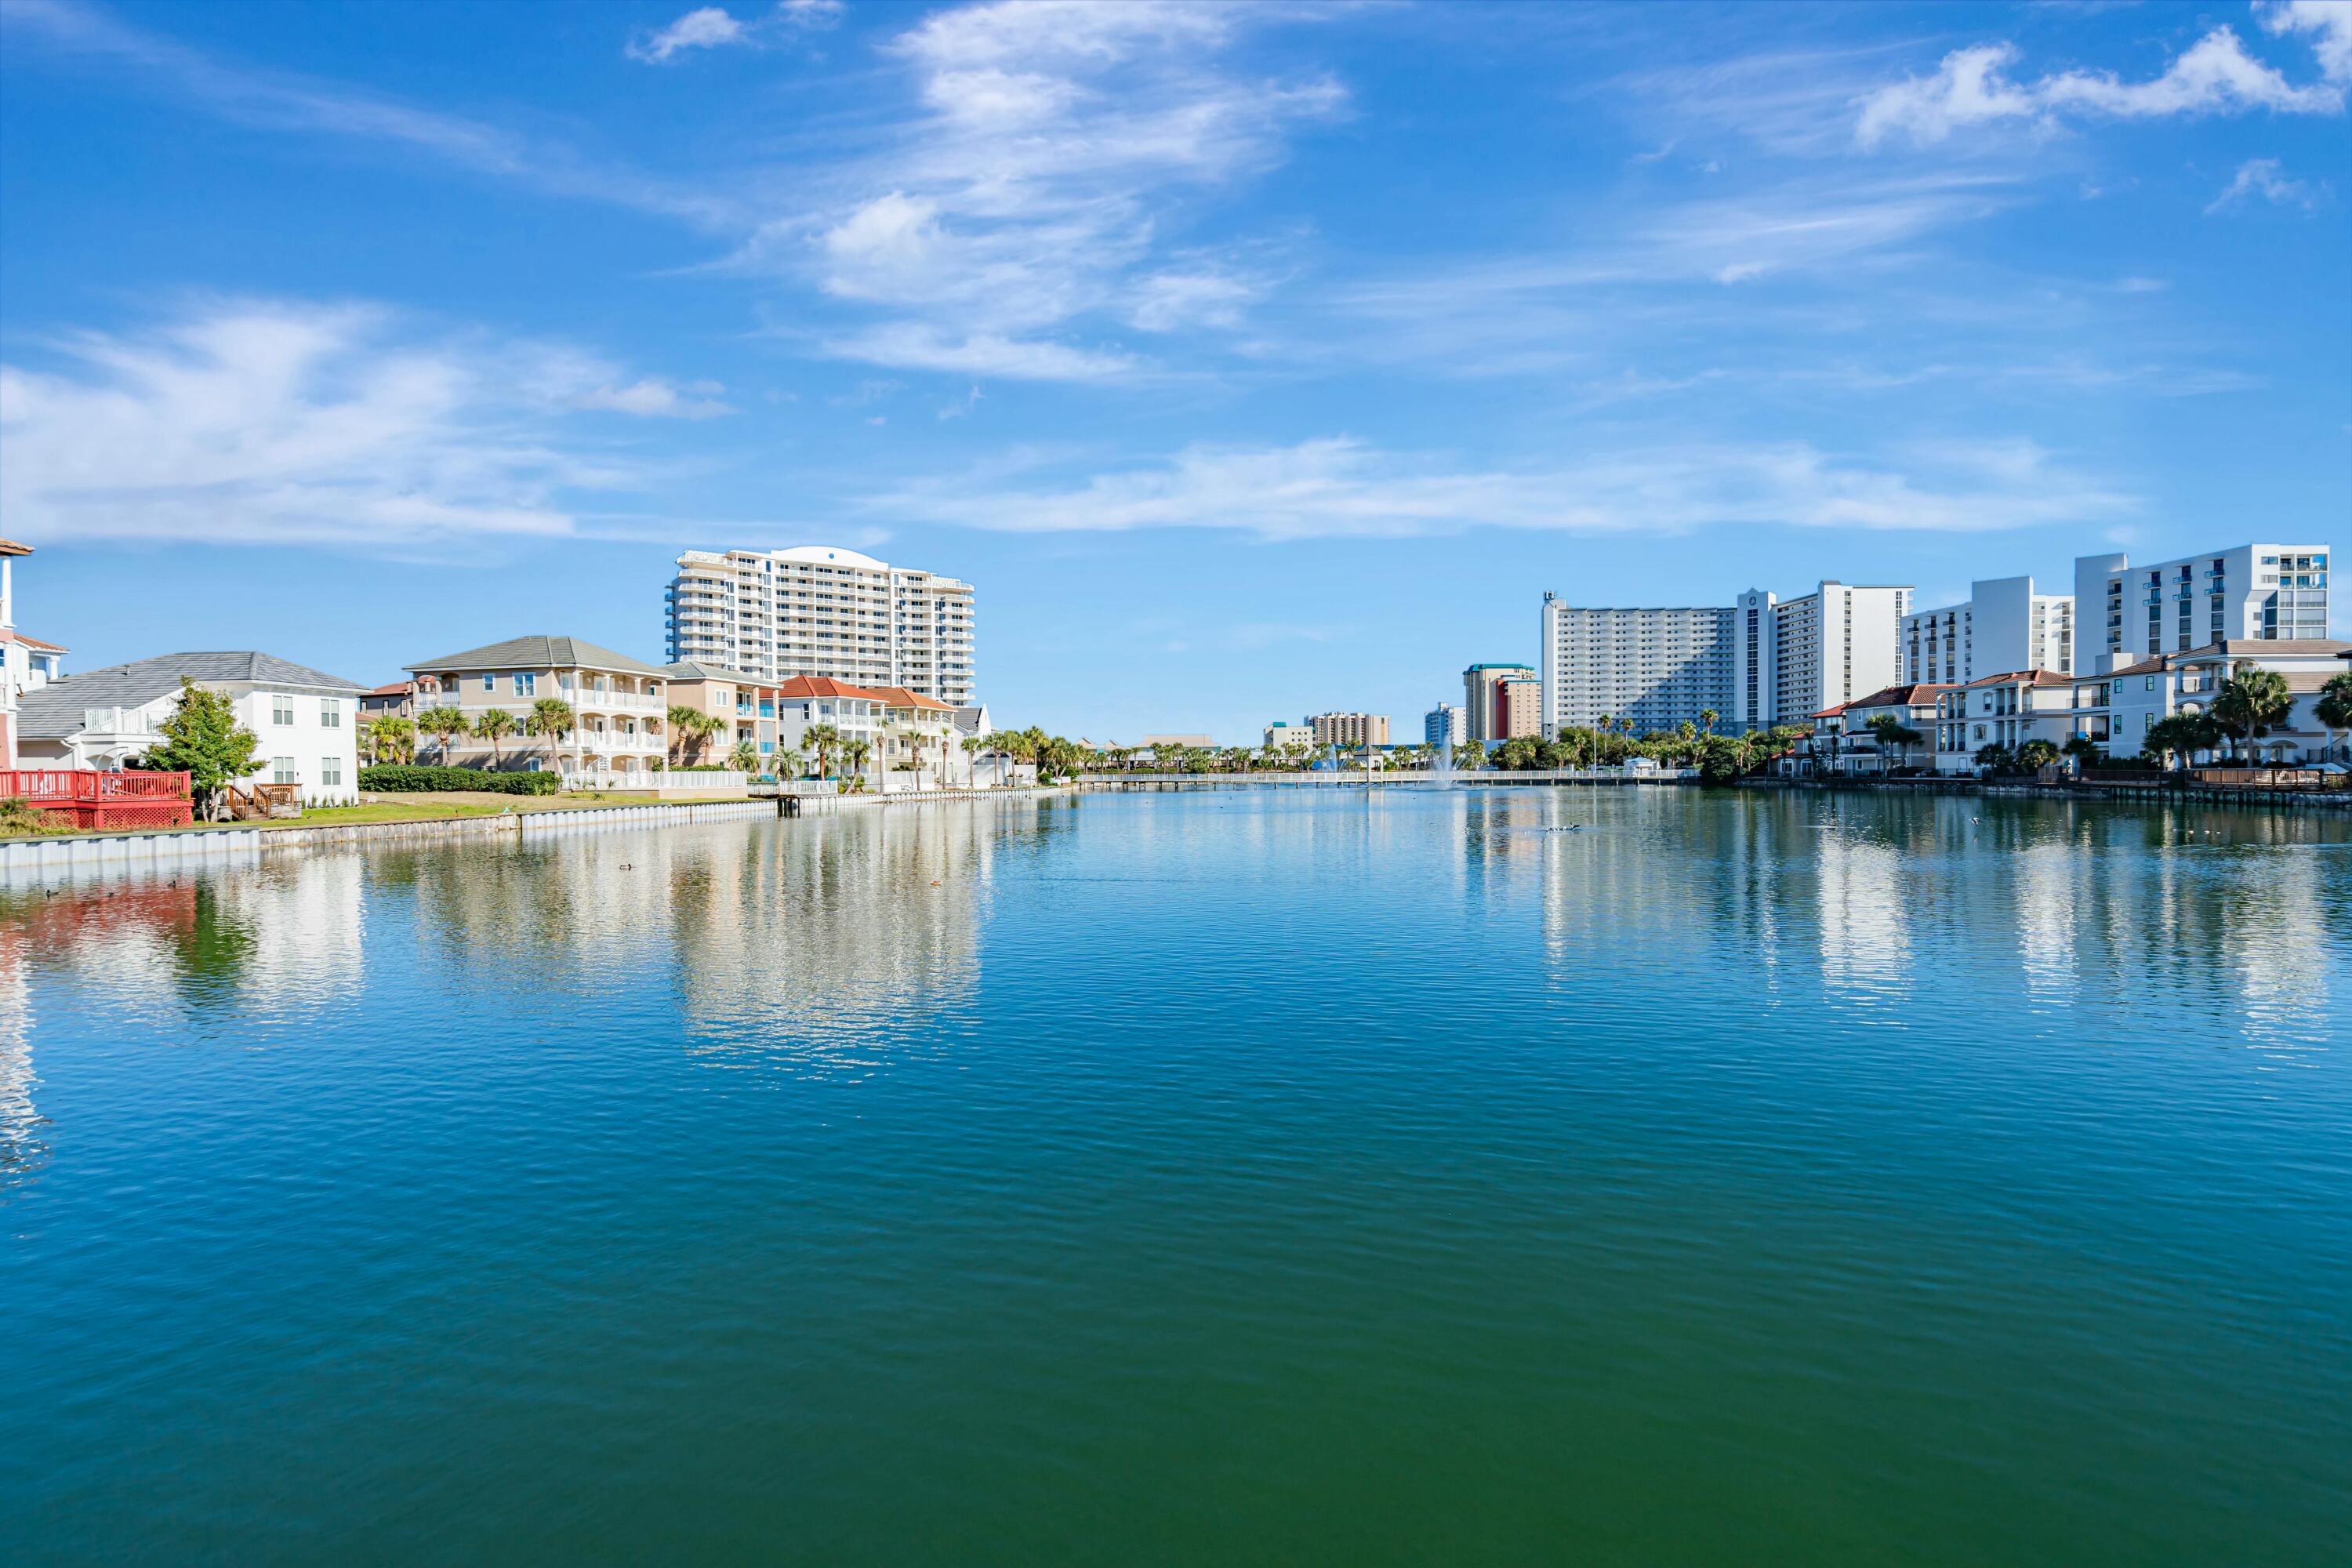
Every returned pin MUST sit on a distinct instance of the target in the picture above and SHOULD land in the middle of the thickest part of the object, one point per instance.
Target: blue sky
(1250, 360)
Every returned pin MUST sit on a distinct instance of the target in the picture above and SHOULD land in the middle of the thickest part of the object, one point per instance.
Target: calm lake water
(1219, 1178)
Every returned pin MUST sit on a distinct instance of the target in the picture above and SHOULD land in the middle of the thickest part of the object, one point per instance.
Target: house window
(490, 681)
(281, 709)
(281, 770)
(330, 713)
(524, 683)
(330, 772)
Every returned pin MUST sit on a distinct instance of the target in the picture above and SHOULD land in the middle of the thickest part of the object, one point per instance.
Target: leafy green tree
(202, 739)
(494, 725)
(2035, 755)
(1994, 758)
(2083, 749)
(442, 722)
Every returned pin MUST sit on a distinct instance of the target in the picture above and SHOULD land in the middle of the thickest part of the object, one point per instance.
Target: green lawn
(425, 805)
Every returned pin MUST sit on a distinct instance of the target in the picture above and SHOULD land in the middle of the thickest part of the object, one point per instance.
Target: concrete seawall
(2143, 794)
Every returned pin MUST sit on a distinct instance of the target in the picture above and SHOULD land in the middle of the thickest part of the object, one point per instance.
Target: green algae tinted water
(1218, 1178)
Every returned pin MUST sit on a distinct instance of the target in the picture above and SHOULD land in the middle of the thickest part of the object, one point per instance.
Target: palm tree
(972, 745)
(441, 723)
(549, 718)
(2035, 755)
(2335, 709)
(2181, 735)
(394, 739)
(823, 743)
(1894, 731)
(493, 725)
(746, 758)
(2252, 702)
(2083, 749)
(685, 724)
(1994, 758)
(853, 757)
(1707, 718)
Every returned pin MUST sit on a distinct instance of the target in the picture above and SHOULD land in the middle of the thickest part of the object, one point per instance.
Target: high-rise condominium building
(822, 612)
(1350, 729)
(1503, 701)
(1657, 667)
(1445, 725)
(2001, 627)
(2123, 613)
(1835, 644)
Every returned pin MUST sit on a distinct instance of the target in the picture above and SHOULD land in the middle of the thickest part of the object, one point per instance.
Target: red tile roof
(1916, 694)
(899, 697)
(827, 686)
(397, 688)
(12, 636)
(2026, 678)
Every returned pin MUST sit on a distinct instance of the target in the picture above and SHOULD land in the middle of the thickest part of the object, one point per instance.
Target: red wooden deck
(90, 799)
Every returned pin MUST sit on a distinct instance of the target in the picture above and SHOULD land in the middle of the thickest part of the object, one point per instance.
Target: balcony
(591, 701)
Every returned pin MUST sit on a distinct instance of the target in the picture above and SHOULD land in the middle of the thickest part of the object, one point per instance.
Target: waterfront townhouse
(614, 737)
(307, 721)
(2003, 624)
(853, 714)
(744, 706)
(827, 613)
(2187, 682)
(2260, 593)
(2009, 710)
(1845, 740)
(920, 739)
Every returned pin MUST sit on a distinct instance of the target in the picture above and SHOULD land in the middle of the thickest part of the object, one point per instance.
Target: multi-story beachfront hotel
(2002, 624)
(827, 613)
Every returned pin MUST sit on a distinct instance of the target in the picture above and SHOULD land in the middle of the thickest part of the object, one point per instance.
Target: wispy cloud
(1338, 487)
(714, 26)
(2214, 75)
(2261, 177)
(1035, 187)
(270, 422)
(284, 101)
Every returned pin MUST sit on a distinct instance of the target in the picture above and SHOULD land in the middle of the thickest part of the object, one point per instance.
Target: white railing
(616, 740)
(612, 702)
(646, 781)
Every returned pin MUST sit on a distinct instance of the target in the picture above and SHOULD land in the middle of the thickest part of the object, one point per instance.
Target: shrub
(399, 778)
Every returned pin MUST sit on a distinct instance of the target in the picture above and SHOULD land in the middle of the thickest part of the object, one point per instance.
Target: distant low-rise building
(1847, 740)
(395, 700)
(305, 720)
(1350, 729)
(1283, 733)
(1158, 741)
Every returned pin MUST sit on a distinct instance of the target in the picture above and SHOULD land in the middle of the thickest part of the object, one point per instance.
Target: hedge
(402, 777)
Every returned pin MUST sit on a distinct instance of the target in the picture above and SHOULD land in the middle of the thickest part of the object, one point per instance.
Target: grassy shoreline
(421, 807)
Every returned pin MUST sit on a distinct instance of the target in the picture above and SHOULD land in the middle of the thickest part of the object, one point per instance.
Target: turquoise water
(1216, 1178)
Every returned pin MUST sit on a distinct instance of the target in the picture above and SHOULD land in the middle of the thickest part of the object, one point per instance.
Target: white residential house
(26, 663)
(1843, 743)
(2158, 687)
(307, 721)
(619, 706)
(2009, 710)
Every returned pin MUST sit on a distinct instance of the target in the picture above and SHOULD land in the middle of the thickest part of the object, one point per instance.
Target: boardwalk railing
(1408, 777)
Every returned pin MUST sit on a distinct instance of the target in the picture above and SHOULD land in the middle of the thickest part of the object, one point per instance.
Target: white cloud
(265, 422)
(1338, 487)
(306, 106)
(1972, 87)
(1057, 144)
(2329, 20)
(2261, 177)
(653, 397)
(707, 27)
(913, 345)
(713, 26)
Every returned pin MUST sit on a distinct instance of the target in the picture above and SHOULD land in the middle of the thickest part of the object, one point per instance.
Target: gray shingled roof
(694, 669)
(540, 652)
(55, 709)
